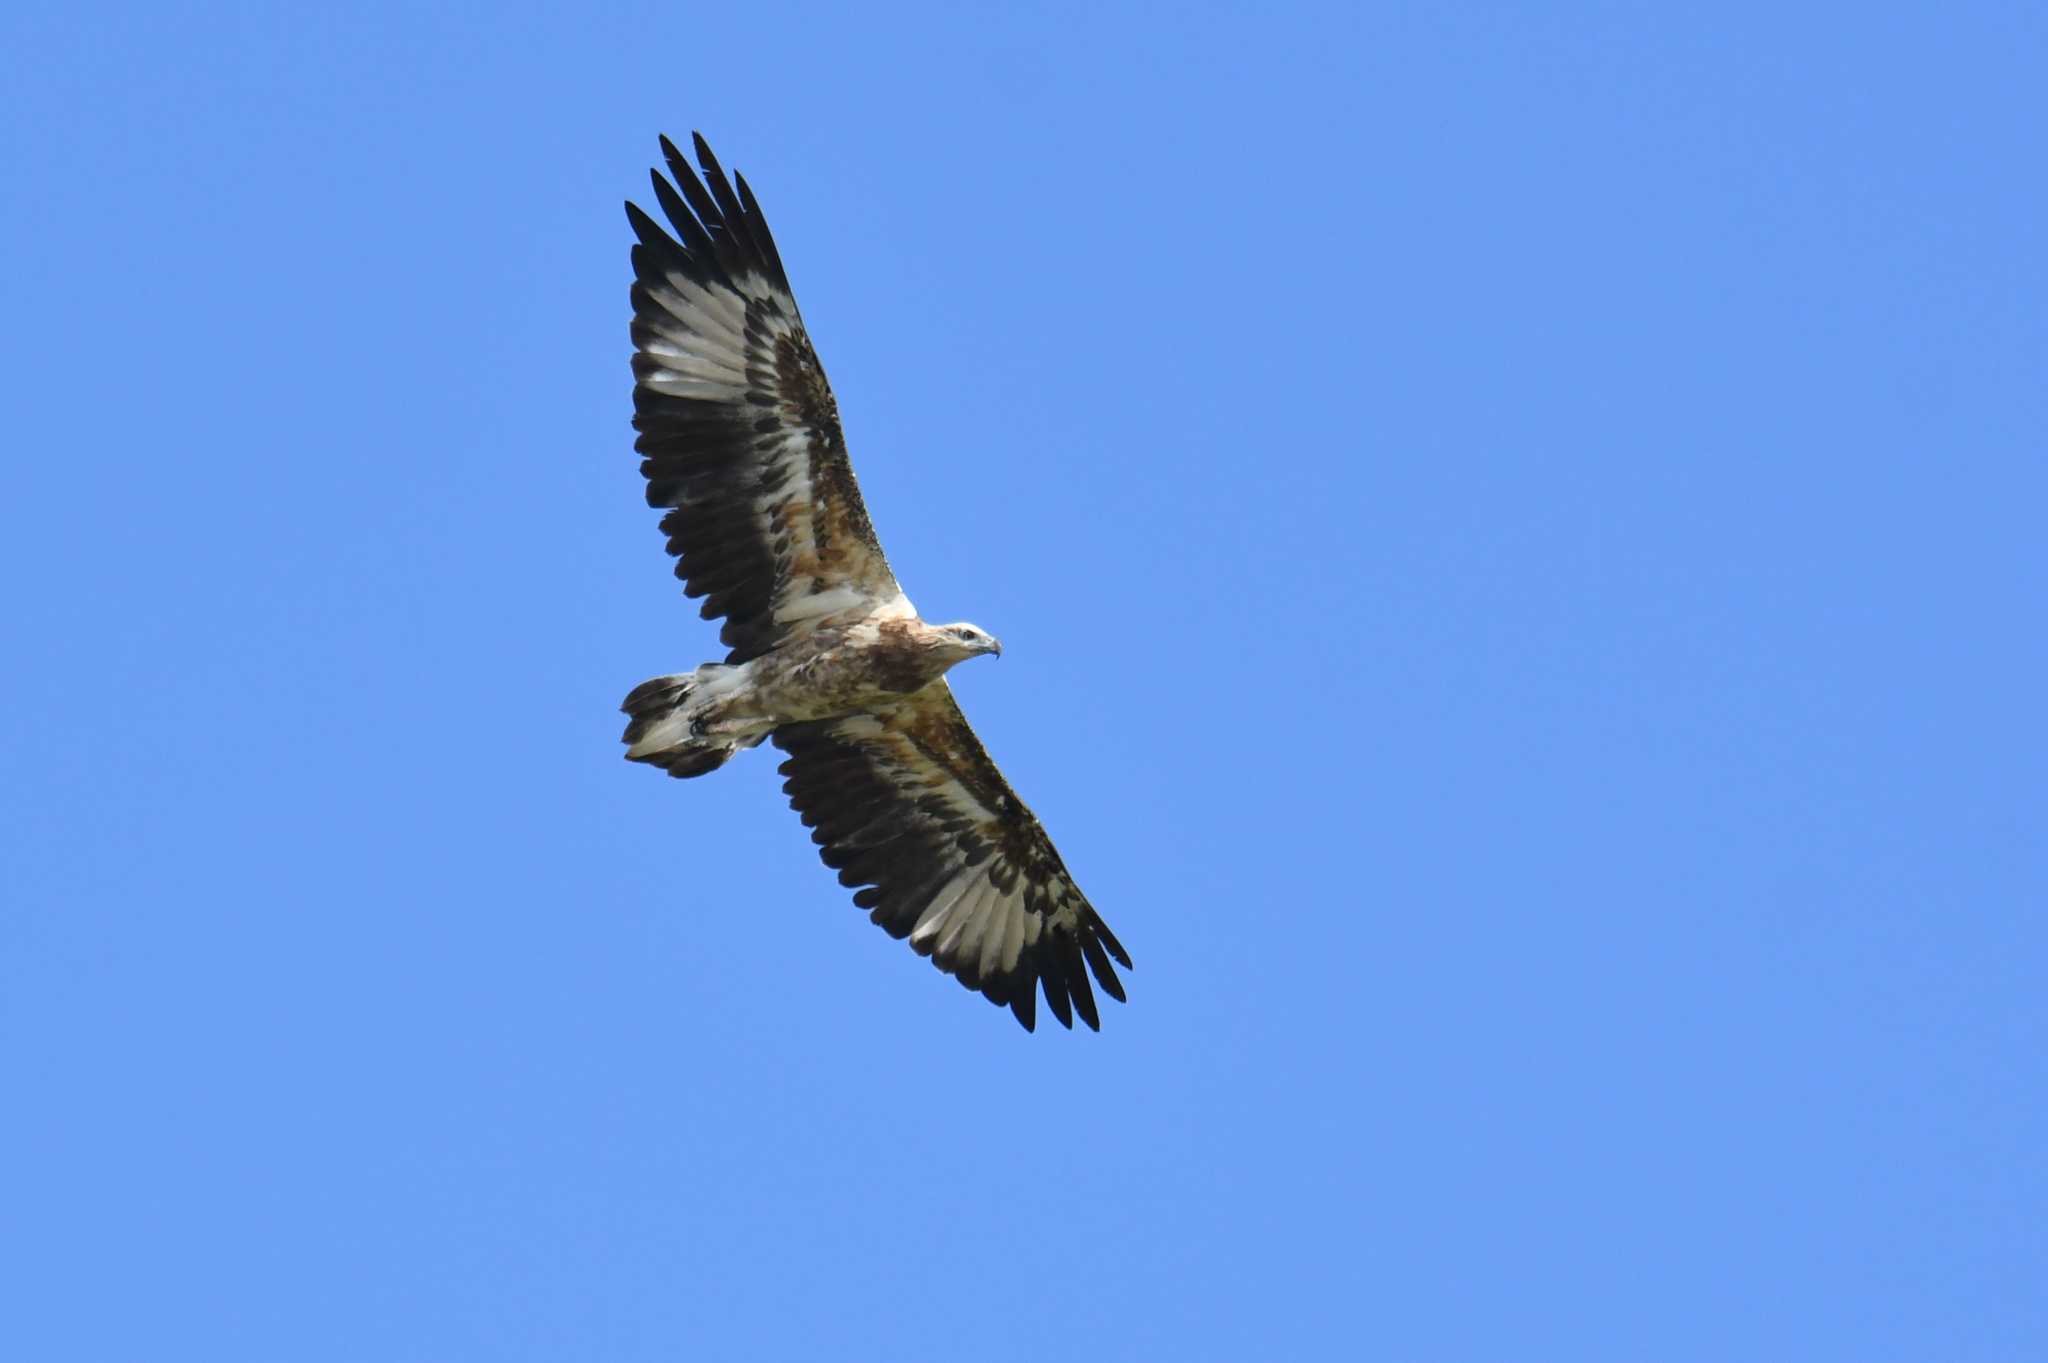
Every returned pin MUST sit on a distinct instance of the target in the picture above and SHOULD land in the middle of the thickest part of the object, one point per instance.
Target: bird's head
(961, 641)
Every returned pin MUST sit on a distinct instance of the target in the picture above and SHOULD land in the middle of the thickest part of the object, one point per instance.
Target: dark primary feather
(907, 806)
(738, 427)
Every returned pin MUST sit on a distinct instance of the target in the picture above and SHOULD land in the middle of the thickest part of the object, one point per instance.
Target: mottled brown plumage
(742, 444)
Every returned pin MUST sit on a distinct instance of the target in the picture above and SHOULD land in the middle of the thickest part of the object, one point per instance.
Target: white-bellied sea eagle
(827, 656)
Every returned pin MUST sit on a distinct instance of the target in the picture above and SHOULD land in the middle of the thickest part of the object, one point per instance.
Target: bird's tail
(666, 724)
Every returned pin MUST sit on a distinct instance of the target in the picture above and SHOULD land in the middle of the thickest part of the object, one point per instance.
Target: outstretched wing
(905, 804)
(738, 426)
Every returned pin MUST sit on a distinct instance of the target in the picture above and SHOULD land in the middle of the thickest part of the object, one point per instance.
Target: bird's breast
(844, 673)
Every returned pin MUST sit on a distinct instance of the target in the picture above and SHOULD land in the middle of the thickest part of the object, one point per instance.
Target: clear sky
(1518, 533)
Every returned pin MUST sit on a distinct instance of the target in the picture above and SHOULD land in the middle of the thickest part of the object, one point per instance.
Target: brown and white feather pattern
(741, 442)
(738, 425)
(905, 803)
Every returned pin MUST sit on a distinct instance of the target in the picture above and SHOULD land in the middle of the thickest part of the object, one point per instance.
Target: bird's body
(828, 657)
(826, 673)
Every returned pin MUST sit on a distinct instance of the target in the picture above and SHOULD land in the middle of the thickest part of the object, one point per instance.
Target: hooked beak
(995, 646)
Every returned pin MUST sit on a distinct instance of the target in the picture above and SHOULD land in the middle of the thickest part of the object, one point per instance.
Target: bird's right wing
(906, 805)
(738, 425)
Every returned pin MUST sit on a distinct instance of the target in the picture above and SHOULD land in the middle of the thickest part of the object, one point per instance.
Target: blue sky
(1518, 535)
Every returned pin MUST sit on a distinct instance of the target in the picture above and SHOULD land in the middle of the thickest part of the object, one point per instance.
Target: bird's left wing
(739, 428)
(907, 806)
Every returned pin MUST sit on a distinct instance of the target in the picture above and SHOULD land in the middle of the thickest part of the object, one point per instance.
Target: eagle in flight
(828, 658)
